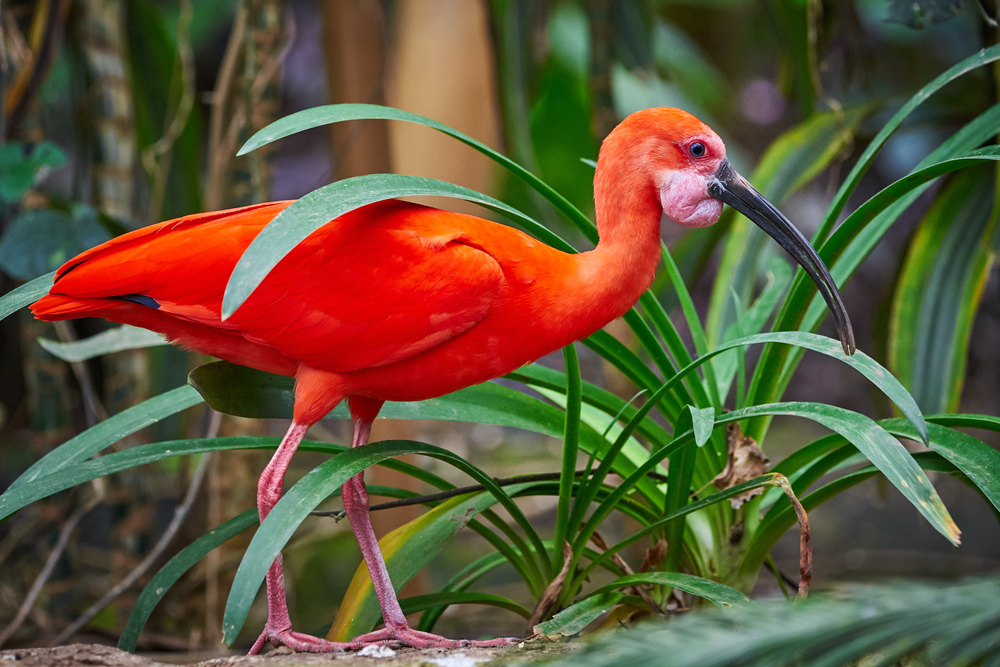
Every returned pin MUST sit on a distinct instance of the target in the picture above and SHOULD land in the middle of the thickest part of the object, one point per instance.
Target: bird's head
(685, 163)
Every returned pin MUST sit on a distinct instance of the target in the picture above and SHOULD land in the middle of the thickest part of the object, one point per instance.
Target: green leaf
(406, 551)
(335, 113)
(678, 55)
(680, 474)
(702, 421)
(537, 376)
(560, 118)
(25, 295)
(23, 492)
(293, 224)
(106, 433)
(781, 516)
(868, 211)
(308, 492)
(417, 603)
(120, 338)
(779, 274)
(588, 491)
(571, 447)
(18, 173)
(977, 460)
(687, 305)
(11, 153)
(42, 240)
(155, 78)
(622, 358)
(15, 180)
(986, 422)
(721, 596)
(47, 154)
(572, 620)
(633, 451)
(177, 567)
(860, 361)
(884, 451)
(939, 290)
(595, 398)
(983, 57)
(468, 575)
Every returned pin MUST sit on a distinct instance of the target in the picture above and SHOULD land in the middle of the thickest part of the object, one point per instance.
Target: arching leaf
(718, 594)
(108, 432)
(939, 290)
(25, 295)
(120, 338)
(293, 224)
(177, 567)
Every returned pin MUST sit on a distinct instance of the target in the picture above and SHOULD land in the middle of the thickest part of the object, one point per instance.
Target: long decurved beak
(731, 188)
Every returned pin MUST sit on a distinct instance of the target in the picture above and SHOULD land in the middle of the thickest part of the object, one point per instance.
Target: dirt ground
(91, 655)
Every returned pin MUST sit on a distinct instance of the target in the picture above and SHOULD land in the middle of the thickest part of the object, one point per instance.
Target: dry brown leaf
(746, 461)
(654, 556)
(552, 591)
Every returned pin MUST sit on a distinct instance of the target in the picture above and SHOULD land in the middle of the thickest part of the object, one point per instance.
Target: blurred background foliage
(118, 114)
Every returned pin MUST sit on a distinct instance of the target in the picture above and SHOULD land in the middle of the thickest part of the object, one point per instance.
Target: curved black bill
(731, 188)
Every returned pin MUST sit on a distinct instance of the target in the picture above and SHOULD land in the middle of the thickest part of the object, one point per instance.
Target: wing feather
(378, 285)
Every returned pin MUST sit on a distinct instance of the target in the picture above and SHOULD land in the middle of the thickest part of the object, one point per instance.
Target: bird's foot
(417, 639)
(297, 641)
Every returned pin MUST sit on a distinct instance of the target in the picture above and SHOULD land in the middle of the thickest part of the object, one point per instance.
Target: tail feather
(54, 307)
(189, 335)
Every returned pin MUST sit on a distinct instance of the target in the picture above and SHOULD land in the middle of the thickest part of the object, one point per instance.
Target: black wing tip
(140, 299)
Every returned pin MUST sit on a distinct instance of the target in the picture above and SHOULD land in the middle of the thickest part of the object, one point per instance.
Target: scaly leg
(396, 630)
(278, 629)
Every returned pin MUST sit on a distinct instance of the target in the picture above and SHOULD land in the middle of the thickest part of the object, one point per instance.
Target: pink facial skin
(685, 199)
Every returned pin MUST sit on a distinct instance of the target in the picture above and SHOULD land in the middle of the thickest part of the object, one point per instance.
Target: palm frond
(901, 623)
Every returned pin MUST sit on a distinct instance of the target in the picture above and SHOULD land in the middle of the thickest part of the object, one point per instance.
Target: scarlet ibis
(401, 302)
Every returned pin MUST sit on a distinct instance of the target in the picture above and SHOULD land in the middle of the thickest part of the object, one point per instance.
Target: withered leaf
(746, 461)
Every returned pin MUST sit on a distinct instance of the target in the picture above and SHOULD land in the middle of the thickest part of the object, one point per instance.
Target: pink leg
(278, 629)
(355, 496)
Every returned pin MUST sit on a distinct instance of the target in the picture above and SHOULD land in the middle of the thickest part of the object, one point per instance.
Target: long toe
(437, 641)
(297, 641)
(417, 639)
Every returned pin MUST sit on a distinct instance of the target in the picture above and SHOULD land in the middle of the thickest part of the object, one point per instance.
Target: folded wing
(378, 285)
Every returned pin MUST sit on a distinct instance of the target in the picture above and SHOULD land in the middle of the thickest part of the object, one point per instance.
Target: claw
(417, 639)
(297, 641)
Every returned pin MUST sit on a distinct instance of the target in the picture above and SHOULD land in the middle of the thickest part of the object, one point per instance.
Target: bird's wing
(374, 290)
(375, 286)
(135, 245)
(179, 267)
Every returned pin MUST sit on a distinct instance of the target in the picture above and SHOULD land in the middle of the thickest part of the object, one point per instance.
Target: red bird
(400, 302)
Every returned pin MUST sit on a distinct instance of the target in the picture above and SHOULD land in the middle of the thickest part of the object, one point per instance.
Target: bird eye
(697, 149)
